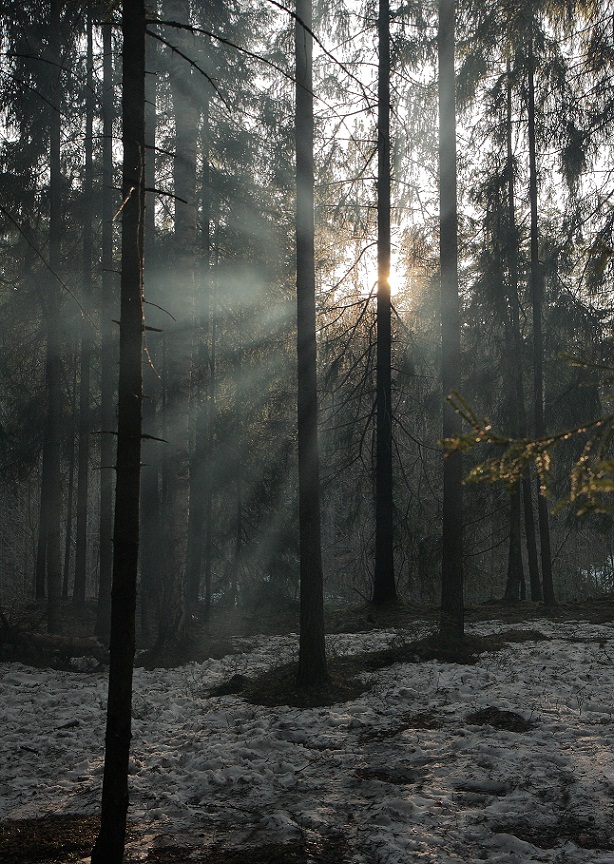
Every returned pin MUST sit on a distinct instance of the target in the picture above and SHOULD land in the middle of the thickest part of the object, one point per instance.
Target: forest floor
(503, 753)
(214, 639)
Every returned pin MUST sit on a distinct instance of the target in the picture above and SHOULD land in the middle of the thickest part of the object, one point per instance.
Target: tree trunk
(53, 362)
(199, 524)
(212, 411)
(452, 604)
(151, 526)
(384, 587)
(515, 568)
(515, 572)
(107, 412)
(70, 484)
(173, 627)
(312, 669)
(109, 847)
(40, 574)
(86, 335)
(537, 284)
(514, 305)
(531, 538)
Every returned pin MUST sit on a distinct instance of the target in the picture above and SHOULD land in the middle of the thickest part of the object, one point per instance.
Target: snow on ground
(400, 772)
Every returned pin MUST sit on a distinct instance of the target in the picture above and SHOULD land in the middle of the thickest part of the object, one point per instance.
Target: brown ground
(213, 639)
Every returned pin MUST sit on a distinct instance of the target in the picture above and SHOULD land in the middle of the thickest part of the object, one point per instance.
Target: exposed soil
(51, 839)
(498, 719)
(69, 838)
(23, 638)
(584, 833)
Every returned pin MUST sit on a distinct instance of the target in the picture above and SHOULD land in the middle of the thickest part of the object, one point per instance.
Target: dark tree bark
(452, 604)
(237, 563)
(312, 669)
(49, 544)
(86, 335)
(515, 583)
(40, 574)
(519, 392)
(70, 484)
(173, 626)
(151, 530)
(109, 847)
(201, 492)
(107, 412)
(210, 443)
(384, 586)
(515, 571)
(512, 374)
(537, 290)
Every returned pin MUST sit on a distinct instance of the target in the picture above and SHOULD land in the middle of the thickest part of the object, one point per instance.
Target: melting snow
(400, 772)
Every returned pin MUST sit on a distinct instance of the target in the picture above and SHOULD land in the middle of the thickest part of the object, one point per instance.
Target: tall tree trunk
(512, 372)
(53, 362)
(312, 670)
(210, 442)
(384, 587)
(452, 604)
(199, 523)
(86, 335)
(514, 306)
(151, 530)
(515, 570)
(109, 847)
(515, 584)
(173, 625)
(71, 483)
(199, 473)
(237, 564)
(537, 286)
(107, 412)
(40, 568)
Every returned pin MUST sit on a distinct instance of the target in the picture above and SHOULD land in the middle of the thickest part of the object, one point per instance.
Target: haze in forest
(219, 493)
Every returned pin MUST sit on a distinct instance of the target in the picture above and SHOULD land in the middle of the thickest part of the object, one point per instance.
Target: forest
(306, 329)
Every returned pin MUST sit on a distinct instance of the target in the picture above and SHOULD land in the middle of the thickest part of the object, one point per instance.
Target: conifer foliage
(352, 215)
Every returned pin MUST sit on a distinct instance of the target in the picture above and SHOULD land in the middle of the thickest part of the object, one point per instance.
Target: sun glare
(361, 278)
(396, 283)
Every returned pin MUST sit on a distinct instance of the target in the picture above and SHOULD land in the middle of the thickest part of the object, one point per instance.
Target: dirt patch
(394, 775)
(235, 684)
(331, 850)
(278, 686)
(499, 719)
(584, 833)
(270, 853)
(390, 616)
(513, 636)
(51, 839)
(69, 838)
(421, 720)
(594, 611)
(213, 638)
(464, 651)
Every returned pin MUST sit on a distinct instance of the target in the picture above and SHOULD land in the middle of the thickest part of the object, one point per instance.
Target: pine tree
(109, 847)
(452, 604)
(107, 354)
(173, 624)
(312, 669)
(86, 333)
(384, 587)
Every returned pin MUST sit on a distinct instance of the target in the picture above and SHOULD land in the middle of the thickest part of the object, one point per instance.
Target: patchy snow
(400, 772)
